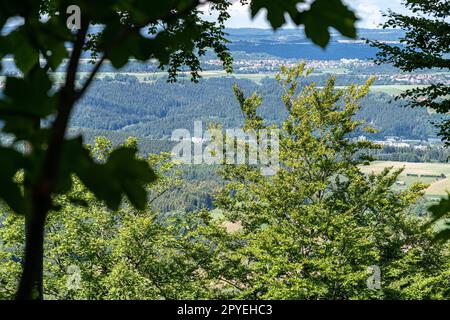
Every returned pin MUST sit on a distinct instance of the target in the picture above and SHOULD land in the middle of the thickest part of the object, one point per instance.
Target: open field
(438, 186)
(394, 89)
(391, 89)
(152, 76)
(257, 77)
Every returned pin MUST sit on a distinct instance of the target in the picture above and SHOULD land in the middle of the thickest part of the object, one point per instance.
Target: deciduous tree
(312, 230)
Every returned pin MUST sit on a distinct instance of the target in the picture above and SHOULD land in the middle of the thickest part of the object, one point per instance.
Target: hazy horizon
(368, 11)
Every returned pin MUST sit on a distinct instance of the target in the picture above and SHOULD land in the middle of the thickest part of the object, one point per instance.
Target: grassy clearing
(438, 186)
(394, 89)
(335, 71)
(257, 77)
(391, 89)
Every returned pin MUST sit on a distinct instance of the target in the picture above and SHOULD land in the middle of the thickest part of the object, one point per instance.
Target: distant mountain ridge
(292, 43)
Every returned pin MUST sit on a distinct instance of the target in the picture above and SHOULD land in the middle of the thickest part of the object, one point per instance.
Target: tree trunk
(31, 287)
(40, 193)
(31, 282)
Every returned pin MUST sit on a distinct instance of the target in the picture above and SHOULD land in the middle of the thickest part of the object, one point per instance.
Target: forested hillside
(155, 109)
(122, 106)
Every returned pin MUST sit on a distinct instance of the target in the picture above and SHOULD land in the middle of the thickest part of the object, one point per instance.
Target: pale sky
(369, 11)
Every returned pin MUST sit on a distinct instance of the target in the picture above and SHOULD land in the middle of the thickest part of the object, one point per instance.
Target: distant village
(272, 65)
(401, 143)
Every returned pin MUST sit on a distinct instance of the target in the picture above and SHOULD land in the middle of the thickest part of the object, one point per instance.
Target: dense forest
(154, 110)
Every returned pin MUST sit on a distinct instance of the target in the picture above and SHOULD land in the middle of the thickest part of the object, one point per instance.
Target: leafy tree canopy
(312, 230)
(172, 32)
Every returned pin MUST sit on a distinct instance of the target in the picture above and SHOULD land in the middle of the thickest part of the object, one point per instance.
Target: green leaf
(132, 174)
(10, 192)
(120, 54)
(30, 95)
(321, 15)
(99, 181)
(25, 55)
(26, 101)
(324, 14)
(276, 10)
(440, 210)
(442, 231)
(71, 153)
(56, 52)
(122, 174)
